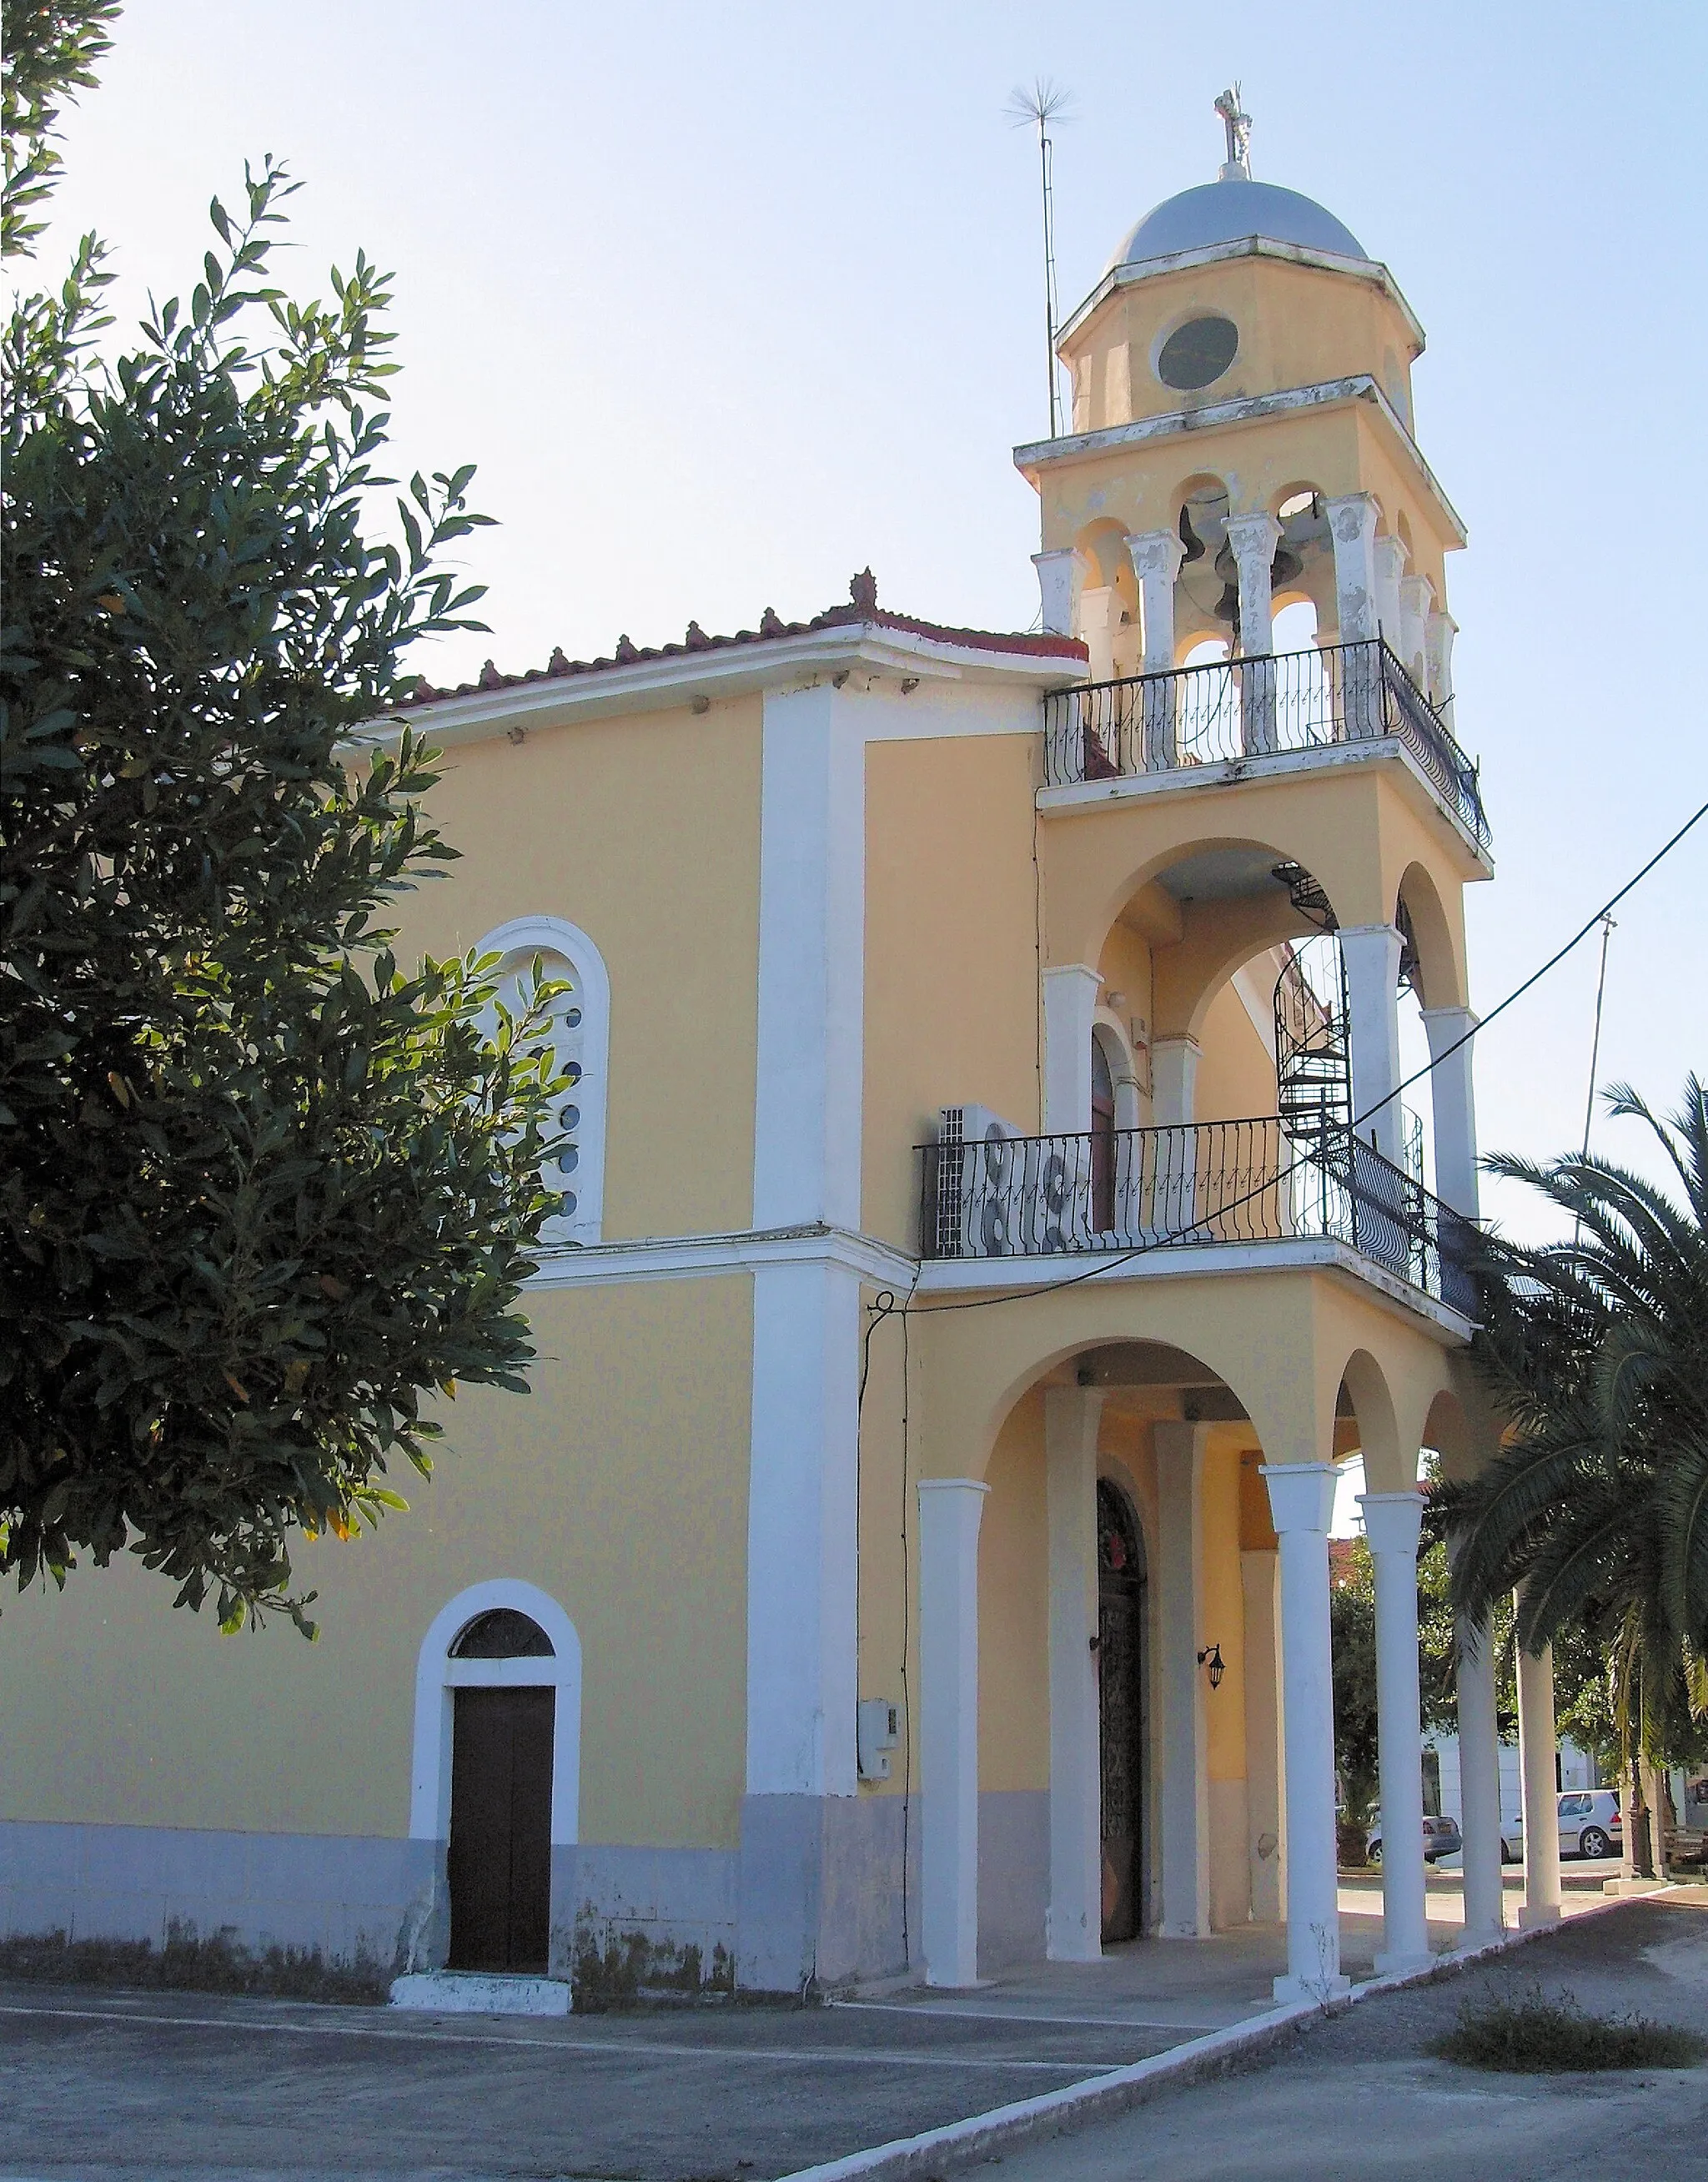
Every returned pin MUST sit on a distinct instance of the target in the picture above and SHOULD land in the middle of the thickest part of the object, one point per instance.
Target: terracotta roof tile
(862, 609)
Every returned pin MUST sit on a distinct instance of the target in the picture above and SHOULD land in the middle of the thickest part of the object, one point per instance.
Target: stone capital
(1302, 1495)
(1254, 537)
(1393, 1521)
(1353, 515)
(1156, 554)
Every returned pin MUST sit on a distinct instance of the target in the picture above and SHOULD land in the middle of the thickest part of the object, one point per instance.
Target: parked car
(1440, 1838)
(1590, 1825)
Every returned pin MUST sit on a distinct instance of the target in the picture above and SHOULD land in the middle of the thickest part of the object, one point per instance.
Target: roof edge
(1246, 246)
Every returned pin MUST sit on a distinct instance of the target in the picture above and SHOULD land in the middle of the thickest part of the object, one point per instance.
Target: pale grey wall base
(813, 1893)
(643, 1916)
(818, 1892)
(1014, 1876)
(346, 1896)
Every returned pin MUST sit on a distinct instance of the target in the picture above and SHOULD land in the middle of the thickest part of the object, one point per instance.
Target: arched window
(581, 1037)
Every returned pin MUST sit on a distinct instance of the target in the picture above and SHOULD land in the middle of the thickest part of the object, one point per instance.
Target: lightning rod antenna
(1037, 108)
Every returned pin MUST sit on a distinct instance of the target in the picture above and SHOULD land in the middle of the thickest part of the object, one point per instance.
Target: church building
(988, 1218)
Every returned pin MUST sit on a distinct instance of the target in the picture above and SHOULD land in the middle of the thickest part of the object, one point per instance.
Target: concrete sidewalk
(1355, 2097)
(100, 2084)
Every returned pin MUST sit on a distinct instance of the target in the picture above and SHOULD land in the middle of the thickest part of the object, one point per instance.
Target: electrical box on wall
(878, 1725)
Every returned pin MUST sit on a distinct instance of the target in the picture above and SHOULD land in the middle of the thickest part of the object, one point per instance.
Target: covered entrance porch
(1172, 1465)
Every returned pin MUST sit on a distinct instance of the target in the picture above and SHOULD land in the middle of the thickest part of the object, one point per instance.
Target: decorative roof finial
(1237, 167)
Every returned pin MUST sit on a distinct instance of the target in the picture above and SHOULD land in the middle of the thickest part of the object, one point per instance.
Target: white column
(1252, 539)
(806, 1167)
(1372, 955)
(1073, 1925)
(1181, 1682)
(1438, 654)
(1353, 526)
(1454, 1105)
(1479, 1787)
(1070, 1005)
(1301, 1505)
(949, 1512)
(1174, 1079)
(1264, 1773)
(801, 1678)
(1099, 605)
(1391, 568)
(1417, 597)
(1537, 1743)
(1056, 587)
(1393, 1523)
(1157, 556)
(1174, 1094)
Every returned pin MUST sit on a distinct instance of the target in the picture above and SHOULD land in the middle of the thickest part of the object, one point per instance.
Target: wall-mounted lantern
(1211, 1657)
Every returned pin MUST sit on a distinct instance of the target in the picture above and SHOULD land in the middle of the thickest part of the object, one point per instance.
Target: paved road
(203, 2090)
(102, 2086)
(1355, 2099)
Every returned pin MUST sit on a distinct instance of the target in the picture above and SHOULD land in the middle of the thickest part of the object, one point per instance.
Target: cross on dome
(1237, 166)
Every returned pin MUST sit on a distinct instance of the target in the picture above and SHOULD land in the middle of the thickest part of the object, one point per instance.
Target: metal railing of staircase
(1246, 708)
(1203, 1183)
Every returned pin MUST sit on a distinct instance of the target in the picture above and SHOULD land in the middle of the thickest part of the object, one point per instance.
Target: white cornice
(692, 1257)
(1248, 245)
(1037, 455)
(1275, 765)
(651, 685)
(958, 1276)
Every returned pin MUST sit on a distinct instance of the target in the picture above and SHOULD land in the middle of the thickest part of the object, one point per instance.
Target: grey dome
(1229, 211)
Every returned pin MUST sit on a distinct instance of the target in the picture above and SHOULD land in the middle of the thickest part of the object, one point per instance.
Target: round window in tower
(1197, 353)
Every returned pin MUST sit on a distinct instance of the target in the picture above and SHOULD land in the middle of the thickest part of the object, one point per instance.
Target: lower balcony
(1237, 710)
(994, 1194)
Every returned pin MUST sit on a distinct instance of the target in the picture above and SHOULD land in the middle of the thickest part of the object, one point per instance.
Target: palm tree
(1595, 1352)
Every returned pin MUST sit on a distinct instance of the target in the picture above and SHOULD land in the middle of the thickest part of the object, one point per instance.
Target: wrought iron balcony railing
(1246, 708)
(1003, 1196)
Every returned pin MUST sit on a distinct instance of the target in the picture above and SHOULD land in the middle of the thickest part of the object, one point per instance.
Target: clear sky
(728, 302)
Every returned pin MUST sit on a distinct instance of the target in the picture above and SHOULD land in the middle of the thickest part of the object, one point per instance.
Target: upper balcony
(989, 1192)
(1231, 713)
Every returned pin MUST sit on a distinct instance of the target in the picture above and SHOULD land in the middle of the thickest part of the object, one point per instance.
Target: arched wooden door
(1121, 1613)
(1102, 1140)
(500, 1858)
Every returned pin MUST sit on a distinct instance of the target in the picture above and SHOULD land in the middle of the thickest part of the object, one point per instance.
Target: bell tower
(1241, 442)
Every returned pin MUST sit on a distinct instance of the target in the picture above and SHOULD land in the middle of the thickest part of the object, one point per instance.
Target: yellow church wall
(618, 1486)
(1014, 1609)
(1222, 1621)
(1298, 326)
(1237, 1077)
(642, 829)
(951, 952)
(1355, 826)
(1339, 448)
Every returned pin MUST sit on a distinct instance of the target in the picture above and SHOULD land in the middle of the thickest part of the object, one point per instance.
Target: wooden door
(501, 1828)
(1102, 1142)
(1121, 1608)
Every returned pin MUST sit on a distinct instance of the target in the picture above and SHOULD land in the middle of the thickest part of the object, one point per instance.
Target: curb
(1099, 2098)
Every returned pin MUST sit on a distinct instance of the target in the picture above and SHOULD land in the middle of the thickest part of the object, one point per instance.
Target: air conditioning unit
(1001, 1195)
(975, 1158)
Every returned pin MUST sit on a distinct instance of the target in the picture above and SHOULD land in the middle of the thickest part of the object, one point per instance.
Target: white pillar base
(1402, 1965)
(1532, 1919)
(1291, 1990)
